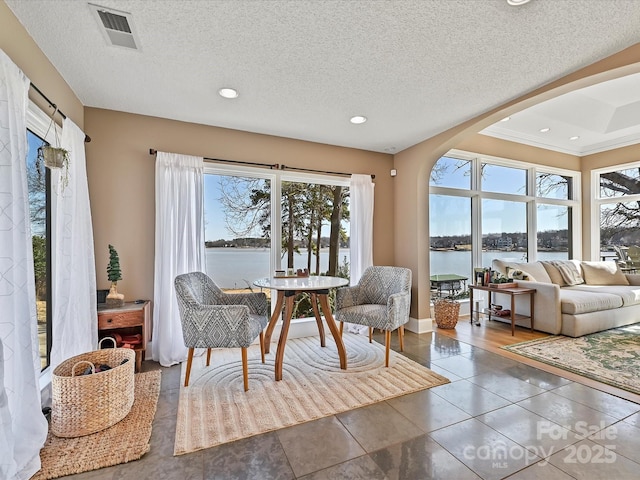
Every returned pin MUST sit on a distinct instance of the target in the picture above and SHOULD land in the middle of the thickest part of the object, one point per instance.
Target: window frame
(598, 201)
(574, 203)
(276, 177)
(39, 124)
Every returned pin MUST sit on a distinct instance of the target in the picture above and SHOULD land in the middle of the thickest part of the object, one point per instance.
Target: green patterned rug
(611, 357)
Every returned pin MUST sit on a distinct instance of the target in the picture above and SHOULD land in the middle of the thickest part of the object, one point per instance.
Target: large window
(481, 208)
(40, 132)
(257, 221)
(38, 181)
(617, 203)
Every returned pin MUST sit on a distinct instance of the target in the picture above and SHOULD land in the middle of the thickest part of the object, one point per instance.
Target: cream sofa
(575, 298)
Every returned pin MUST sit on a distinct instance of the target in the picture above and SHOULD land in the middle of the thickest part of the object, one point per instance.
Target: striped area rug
(215, 409)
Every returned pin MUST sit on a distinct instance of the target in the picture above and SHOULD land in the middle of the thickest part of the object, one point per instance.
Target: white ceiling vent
(116, 26)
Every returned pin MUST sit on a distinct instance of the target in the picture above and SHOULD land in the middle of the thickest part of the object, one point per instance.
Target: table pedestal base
(286, 298)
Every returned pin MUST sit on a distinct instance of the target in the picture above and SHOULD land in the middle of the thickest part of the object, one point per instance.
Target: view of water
(239, 267)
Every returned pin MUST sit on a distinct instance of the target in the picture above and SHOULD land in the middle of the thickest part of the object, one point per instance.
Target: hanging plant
(54, 156)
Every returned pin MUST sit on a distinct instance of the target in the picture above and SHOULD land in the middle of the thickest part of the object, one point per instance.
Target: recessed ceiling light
(228, 92)
(575, 137)
(544, 130)
(505, 119)
(358, 119)
(517, 3)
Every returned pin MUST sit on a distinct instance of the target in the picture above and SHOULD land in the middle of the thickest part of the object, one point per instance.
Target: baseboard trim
(419, 325)
(307, 327)
(302, 327)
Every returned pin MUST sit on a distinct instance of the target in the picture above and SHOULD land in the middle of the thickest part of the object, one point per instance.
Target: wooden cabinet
(130, 319)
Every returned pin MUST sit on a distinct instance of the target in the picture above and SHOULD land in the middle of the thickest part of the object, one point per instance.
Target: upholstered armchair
(214, 319)
(381, 299)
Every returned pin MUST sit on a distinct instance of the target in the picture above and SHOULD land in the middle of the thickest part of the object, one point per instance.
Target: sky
(452, 215)
(215, 223)
(215, 227)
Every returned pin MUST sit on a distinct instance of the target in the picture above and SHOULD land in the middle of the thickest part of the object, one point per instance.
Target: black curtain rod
(87, 138)
(153, 151)
(283, 167)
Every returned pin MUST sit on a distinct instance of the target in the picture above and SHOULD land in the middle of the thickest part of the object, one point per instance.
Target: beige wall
(20, 47)
(122, 191)
(496, 147)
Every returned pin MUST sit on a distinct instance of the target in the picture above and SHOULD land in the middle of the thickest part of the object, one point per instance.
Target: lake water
(239, 267)
(460, 262)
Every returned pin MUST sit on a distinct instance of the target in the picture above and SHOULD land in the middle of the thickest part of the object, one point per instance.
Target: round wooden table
(288, 287)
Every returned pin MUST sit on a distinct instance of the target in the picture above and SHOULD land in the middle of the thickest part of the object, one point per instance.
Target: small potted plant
(114, 299)
(54, 157)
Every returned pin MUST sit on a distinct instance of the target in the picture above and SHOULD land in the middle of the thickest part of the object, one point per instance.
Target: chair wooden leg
(208, 356)
(370, 334)
(189, 360)
(341, 327)
(262, 346)
(245, 370)
(387, 345)
(401, 337)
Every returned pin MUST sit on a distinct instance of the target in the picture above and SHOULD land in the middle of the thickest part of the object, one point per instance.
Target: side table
(130, 319)
(512, 292)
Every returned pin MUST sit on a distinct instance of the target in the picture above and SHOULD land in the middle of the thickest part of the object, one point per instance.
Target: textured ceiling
(303, 68)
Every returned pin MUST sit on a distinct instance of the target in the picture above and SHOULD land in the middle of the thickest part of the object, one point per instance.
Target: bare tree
(306, 208)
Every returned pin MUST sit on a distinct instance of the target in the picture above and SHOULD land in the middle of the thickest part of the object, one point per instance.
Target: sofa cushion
(629, 294)
(603, 273)
(554, 274)
(563, 272)
(575, 300)
(534, 270)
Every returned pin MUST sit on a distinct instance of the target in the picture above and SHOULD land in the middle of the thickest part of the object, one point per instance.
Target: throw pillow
(554, 273)
(563, 272)
(603, 273)
(534, 270)
(517, 274)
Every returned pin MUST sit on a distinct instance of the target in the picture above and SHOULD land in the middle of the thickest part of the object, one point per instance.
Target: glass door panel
(237, 230)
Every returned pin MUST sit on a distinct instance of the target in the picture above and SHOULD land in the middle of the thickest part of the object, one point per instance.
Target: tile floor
(496, 419)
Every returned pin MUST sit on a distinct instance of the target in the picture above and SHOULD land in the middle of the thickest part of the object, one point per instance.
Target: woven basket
(85, 404)
(446, 313)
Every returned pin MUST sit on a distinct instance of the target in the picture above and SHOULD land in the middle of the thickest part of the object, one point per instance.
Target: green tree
(306, 208)
(40, 265)
(113, 269)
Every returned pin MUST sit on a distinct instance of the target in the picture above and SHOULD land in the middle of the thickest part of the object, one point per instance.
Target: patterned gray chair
(381, 299)
(214, 319)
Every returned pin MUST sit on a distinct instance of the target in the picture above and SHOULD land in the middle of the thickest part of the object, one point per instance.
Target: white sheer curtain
(23, 429)
(361, 201)
(361, 241)
(74, 320)
(179, 246)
